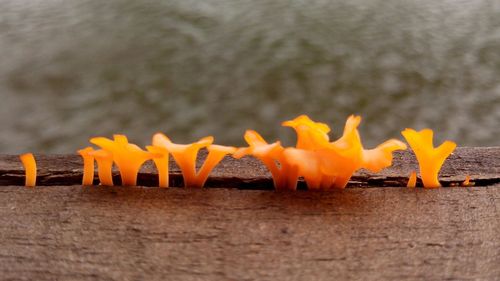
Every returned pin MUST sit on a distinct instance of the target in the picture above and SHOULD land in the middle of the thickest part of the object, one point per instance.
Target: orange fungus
(215, 154)
(88, 165)
(322, 164)
(127, 156)
(104, 166)
(185, 156)
(430, 159)
(310, 134)
(412, 181)
(161, 163)
(29, 164)
(269, 154)
(467, 181)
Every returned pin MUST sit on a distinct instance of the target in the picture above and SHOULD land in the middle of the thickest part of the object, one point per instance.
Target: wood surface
(129, 233)
(63, 231)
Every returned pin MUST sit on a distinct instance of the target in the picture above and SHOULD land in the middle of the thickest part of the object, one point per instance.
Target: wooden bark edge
(482, 164)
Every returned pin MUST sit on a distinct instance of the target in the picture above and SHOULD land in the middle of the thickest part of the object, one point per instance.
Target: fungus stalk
(269, 155)
(88, 165)
(215, 154)
(184, 155)
(161, 164)
(29, 164)
(412, 181)
(104, 166)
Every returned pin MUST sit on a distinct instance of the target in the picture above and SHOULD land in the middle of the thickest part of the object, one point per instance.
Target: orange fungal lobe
(322, 164)
(215, 154)
(128, 157)
(29, 164)
(430, 159)
(185, 155)
(467, 181)
(161, 163)
(104, 166)
(412, 181)
(88, 165)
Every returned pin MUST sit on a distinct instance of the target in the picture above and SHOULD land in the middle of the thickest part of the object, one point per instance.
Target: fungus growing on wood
(338, 160)
(412, 181)
(299, 162)
(185, 156)
(161, 164)
(29, 164)
(430, 159)
(284, 176)
(215, 154)
(467, 181)
(341, 158)
(322, 164)
(104, 166)
(88, 165)
(128, 157)
(310, 134)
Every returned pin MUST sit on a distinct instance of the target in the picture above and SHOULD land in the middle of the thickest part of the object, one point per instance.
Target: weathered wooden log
(65, 231)
(131, 233)
(481, 164)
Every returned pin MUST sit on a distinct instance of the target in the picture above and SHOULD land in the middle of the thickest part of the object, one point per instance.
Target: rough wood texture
(482, 164)
(60, 232)
(129, 233)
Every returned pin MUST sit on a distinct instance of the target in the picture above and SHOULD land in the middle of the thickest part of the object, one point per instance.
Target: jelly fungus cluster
(129, 158)
(323, 164)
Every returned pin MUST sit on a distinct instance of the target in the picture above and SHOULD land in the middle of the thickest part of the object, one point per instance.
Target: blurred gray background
(73, 69)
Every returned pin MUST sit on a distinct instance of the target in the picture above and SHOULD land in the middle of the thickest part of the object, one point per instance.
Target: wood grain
(63, 231)
(132, 233)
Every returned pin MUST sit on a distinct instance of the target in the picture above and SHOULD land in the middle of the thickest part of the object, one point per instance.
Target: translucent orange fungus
(467, 181)
(322, 164)
(161, 164)
(185, 156)
(88, 165)
(104, 166)
(127, 156)
(412, 181)
(215, 154)
(310, 134)
(430, 159)
(269, 154)
(29, 164)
